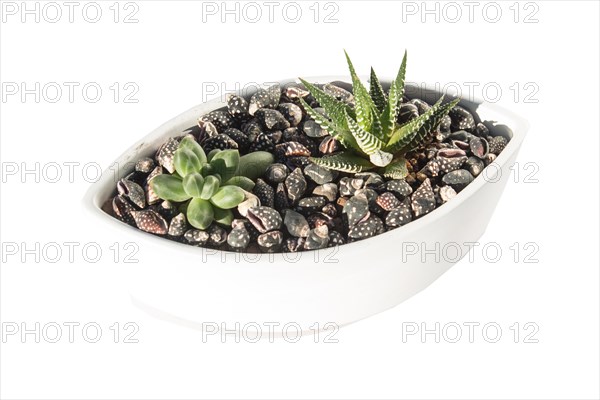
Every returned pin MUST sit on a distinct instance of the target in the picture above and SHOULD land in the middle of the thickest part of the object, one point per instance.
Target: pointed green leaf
(377, 93)
(363, 102)
(430, 125)
(225, 163)
(253, 165)
(340, 133)
(211, 154)
(407, 132)
(345, 162)
(211, 185)
(193, 184)
(396, 170)
(228, 197)
(169, 187)
(189, 142)
(400, 79)
(186, 162)
(368, 143)
(376, 126)
(332, 106)
(390, 111)
(241, 181)
(200, 213)
(223, 217)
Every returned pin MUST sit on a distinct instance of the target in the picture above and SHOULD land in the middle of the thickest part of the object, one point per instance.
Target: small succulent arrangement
(210, 185)
(305, 166)
(370, 131)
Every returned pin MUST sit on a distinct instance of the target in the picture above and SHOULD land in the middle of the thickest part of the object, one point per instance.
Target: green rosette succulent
(369, 131)
(209, 185)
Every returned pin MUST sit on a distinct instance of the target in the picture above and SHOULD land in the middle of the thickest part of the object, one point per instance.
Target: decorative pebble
(327, 190)
(479, 146)
(216, 235)
(423, 200)
(238, 238)
(276, 173)
(313, 130)
(317, 238)
(291, 112)
(399, 187)
(312, 203)
(264, 219)
(271, 241)
(365, 229)
(461, 118)
(446, 193)
(296, 224)
(336, 239)
(264, 192)
(348, 186)
(165, 154)
(178, 225)
(318, 174)
(293, 245)
(474, 165)
(150, 221)
(458, 179)
(497, 144)
(132, 191)
(237, 106)
(399, 216)
(145, 165)
(281, 198)
(387, 201)
(272, 119)
(196, 236)
(296, 185)
(356, 209)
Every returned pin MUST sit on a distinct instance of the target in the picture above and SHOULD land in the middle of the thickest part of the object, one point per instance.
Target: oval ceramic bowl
(192, 286)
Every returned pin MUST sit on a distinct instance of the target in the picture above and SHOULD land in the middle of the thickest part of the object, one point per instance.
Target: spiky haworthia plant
(369, 131)
(210, 185)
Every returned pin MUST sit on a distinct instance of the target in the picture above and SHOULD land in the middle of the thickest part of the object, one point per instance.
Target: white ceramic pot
(339, 285)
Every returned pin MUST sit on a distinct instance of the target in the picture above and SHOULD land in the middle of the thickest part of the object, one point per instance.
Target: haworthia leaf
(376, 127)
(189, 142)
(241, 181)
(225, 163)
(332, 106)
(396, 170)
(223, 217)
(363, 102)
(343, 162)
(169, 187)
(211, 154)
(368, 143)
(340, 133)
(193, 184)
(211, 184)
(200, 213)
(377, 93)
(400, 79)
(228, 197)
(186, 162)
(390, 112)
(430, 125)
(407, 132)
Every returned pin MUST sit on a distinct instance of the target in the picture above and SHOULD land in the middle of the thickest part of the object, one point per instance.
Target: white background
(168, 54)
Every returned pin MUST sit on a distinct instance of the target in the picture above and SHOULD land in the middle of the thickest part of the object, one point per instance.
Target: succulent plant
(370, 131)
(210, 185)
